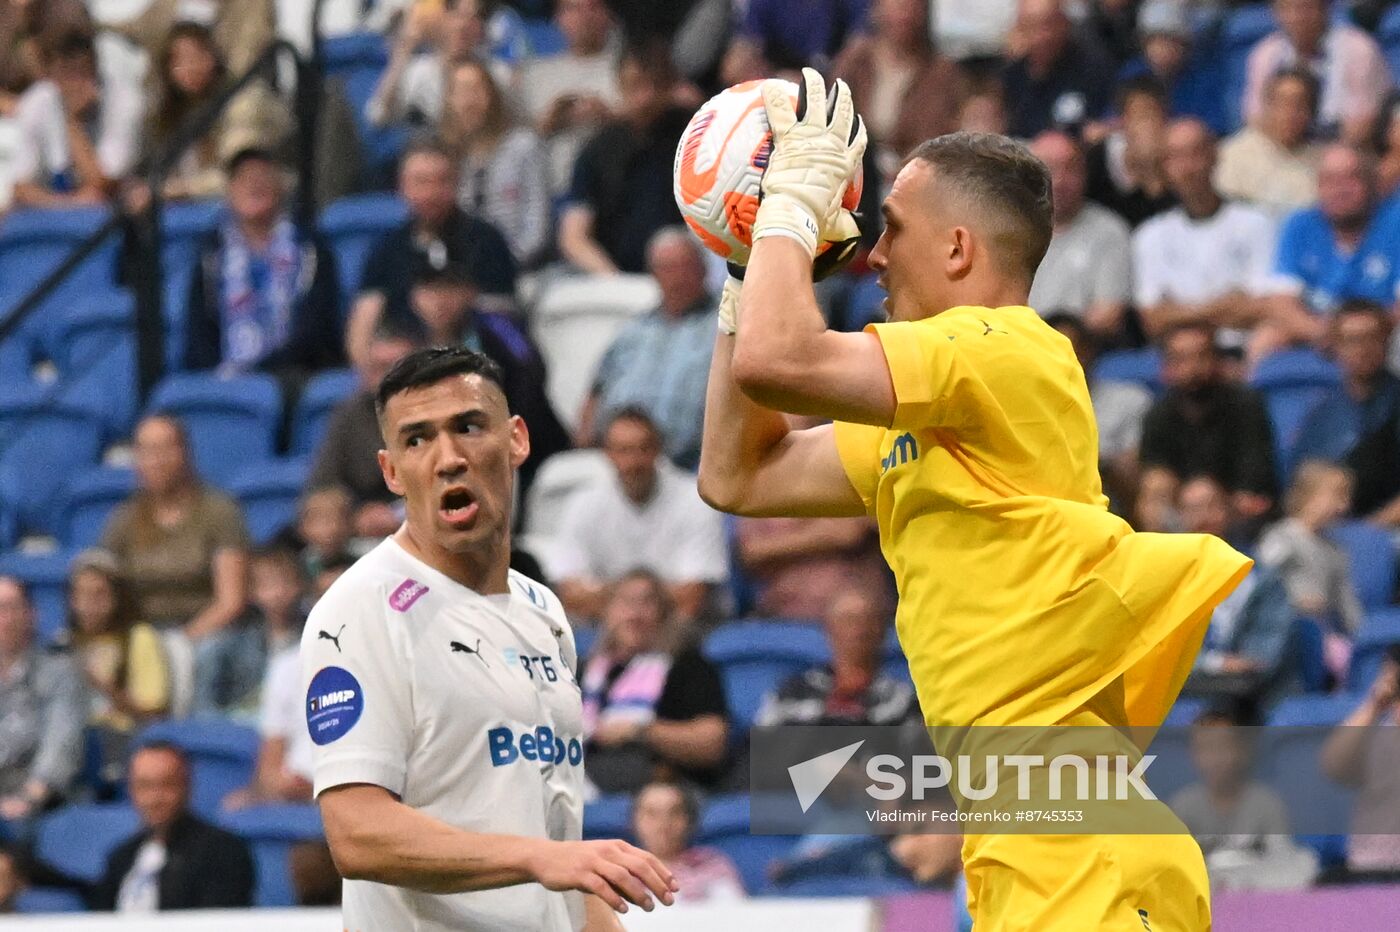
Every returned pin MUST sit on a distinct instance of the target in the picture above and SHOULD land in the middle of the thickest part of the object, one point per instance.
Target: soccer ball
(719, 163)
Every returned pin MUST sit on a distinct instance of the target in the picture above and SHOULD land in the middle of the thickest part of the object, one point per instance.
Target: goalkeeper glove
(813, 159)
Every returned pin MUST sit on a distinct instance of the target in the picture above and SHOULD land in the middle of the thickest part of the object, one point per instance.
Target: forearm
(365, 316)
(215, 616)
(695, 743)
(1388, 515)
(1344, 753)
(580, 249)
(689, 598)
(739, 435)
(382, 108)
(778, 346)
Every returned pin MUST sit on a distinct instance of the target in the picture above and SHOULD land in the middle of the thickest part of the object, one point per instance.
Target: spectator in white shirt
(1087, 271)
(1207, 259)
(1273, 163)
(78, 134)
(647, 514)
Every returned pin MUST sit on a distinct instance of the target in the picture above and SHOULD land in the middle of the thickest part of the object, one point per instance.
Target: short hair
(1007, 184)
(634, 413)
(1142, 85)
(75, 43)
(1308, 475)
(336, 563)
(168, 747)
(653, 58)
(396, 330)
(428, 144)
(428, 366)
(1189, 326)
(342, 494)
(1360, 307)
(278, 555)
(1303, 76)
(690, 802)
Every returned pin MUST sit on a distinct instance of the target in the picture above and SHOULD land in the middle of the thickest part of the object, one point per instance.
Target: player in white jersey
(441, 698)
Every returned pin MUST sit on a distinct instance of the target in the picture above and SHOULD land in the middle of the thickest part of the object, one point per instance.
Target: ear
(391, 473)
(519, 441)
(960, 248)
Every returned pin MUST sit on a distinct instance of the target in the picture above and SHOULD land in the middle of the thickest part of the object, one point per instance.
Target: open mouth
(457, 507)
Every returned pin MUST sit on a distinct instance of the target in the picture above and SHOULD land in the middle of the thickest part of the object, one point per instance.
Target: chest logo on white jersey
(334, 702)
(459, 648)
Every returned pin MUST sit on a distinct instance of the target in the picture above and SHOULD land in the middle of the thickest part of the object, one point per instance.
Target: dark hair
(690, 802)
(653, 57)
(1142, 85)
(74, 43)
(1302, 76)
(397, 330)
(1007, 185)
(1189, 326)
(497, 112)
(631, 413)
(169, 747)
(337, 562)
(1380, 134)
(428, 144)
(124, 612)
(427, 366)
(173, 106)
(280, 556)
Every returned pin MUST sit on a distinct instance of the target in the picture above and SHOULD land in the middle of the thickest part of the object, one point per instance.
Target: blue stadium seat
(94, 347)
(356, 50)
(1184, 711)
(222, 755)
(269, 492)
(1292, 382)
(743, 590)
(1173, 769)
(381, 144)
(16, 350)
(608, 817)
(754, 657)
(80, 838)
(1388, 35)
(1372, 559)
(1242, 29)
(49, 900)
(9, 525)
(544, 37)
(865, 303)
(1311, 655)
(271, 831)
(46, 577)
(352, 226)
(1292, 769)
(1143, 366)
(1380, 630)
(1311, 711)
(88, 502)
(230, 422)
(43, 440)
(584, 639)
(323, 392)
(34, 242)
(724, 824)
(184, 225)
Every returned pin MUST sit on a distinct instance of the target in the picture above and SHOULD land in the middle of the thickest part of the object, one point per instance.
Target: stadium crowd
(1225, 262)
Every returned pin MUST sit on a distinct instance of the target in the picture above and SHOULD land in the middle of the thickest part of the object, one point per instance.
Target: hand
(1234, 663)
(14, 808)
(814, 159)
(611, 734)
(1385, 691)
(614, 871)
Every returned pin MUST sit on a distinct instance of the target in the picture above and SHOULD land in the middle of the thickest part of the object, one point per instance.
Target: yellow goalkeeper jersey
(1023, 601)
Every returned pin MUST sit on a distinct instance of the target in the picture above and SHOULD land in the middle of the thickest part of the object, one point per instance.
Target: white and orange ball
(719, 164)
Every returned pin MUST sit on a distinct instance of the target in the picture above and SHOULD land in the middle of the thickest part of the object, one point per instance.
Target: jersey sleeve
(936, 370)
(858, 445)
(358, 703)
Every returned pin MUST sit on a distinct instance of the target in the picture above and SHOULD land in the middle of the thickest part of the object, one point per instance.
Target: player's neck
(988, 291)
(483, 570)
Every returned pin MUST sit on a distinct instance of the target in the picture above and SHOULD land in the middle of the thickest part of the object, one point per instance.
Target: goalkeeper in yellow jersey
(964, 427)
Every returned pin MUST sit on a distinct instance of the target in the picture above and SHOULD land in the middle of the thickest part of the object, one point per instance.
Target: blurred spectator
(121, 657)
(24, 25)
(1168, 55)
(1347, 61)
(664, 819)
(43, 707)
(653, 706)
(660, 361)
(972, 29)
(438, 230)
(1113, 25)
(1119, 410)
(1058, 80)
(1204, 425)
(189, 73)
(933, 859)
(283, 772)
(78, 134)
(182, 544)
(323, 530)
(504, 178)
(1345, 247)
(1273, 163)
(1359, 756)
(784, 35)
(569, 95)
(266, 295)
(176, 860)
(1240, 822)
(348, 457)
(12, 881)
(801, 564)
(242, 30)
(1248, 653)
(621, 192)
(1088, 269)
(646, 513)
(1358, 422)
(852, 689)
(904, 90)
(1206, 260)
(1314, 569)
(413, 87)
(983, 112)
(444, 304)
(1125, 170)
(1386, 144)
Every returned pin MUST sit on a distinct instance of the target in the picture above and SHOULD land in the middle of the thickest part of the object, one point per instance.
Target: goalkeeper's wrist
(784, 215)
(729, 306)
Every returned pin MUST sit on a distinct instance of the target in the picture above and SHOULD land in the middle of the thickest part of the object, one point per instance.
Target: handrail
(36, 295)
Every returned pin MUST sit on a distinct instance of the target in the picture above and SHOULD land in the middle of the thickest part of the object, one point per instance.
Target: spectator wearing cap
(1227, 247)
(77, 132)
(1272, 163)
(785, 35)
(1204, 425)
(265, 295)
(443, 300)
(438, 231)
(660, 361)
(1125, 171)
(1357, 423)
(1343, 248)
(621, 191)
(644, 513)
(1087, 270)
(43, 708)
(1057, 80)
(347, 457)
(1193, 87)
(1348, 62)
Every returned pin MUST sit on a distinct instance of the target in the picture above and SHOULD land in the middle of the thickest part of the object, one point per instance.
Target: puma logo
(333, 638)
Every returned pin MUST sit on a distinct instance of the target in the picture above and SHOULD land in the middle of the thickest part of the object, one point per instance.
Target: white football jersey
(464, 706)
